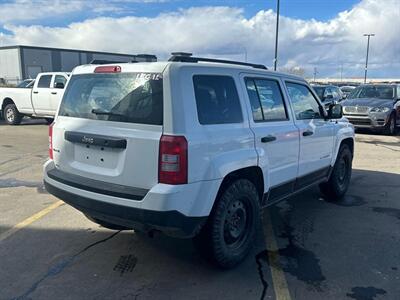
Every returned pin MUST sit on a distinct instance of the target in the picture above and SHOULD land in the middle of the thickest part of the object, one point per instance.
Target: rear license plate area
(99, 156)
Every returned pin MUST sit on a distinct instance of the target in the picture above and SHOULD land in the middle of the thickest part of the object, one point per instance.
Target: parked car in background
(27, 83)
(374, 106)
(328, 94)
(193, 147)
(39, 99)
(347, 89)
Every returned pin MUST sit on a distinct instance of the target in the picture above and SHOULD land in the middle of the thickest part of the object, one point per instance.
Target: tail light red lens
(173, 160)
(51, 140)
(108, 69)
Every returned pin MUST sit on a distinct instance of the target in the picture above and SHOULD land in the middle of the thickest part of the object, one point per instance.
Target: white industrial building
(22, 62)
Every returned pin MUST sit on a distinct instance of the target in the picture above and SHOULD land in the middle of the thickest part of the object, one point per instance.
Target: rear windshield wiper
(107, 113)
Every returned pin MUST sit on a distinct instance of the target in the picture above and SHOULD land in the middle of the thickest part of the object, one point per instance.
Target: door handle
(36, 92)
(268, 138)
(54, 93)
(308, 133)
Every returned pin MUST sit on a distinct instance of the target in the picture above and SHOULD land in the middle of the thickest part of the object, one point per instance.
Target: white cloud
(29, 10)
(225, 32)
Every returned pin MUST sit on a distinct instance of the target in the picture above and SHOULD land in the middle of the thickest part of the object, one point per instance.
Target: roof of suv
(159, 67)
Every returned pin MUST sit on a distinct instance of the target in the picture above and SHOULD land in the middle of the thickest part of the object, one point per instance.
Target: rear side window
(217, 99)
(118, 97)
(44, 81)
(266, 100)
(60, 79)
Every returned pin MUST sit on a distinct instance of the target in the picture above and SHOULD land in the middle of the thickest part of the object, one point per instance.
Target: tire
(390, 128)
(230, 231)
(336, 187)
(11, 115)
(107, 224)
(49, 120)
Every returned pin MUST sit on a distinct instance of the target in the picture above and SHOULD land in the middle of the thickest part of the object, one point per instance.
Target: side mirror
(59, 85)
(335, 111)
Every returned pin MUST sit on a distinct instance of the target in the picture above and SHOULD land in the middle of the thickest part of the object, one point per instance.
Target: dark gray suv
(374, 106)
(328, 94)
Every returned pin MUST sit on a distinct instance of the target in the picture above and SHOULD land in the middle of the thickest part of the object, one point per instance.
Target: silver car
(375, 107)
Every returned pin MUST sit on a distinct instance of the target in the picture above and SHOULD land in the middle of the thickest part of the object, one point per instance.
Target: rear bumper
(178, 211)
(171, 223)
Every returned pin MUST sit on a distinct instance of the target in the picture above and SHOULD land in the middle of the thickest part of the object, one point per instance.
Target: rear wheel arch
(253, 174)
(6, 101)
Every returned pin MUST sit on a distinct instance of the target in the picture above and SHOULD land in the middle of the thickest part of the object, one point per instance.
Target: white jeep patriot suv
(193, 147)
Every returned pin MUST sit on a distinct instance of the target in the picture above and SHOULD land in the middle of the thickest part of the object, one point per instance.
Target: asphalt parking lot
(307, 248)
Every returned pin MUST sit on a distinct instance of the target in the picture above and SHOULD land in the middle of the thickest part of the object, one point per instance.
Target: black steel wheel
(229, 233)
(339, 180)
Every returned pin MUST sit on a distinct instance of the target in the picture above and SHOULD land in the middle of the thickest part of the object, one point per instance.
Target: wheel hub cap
(10, 115)
(235, 222)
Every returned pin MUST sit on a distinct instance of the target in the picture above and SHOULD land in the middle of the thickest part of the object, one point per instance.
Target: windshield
(25, 83)
(368, 91)
(319, 90)
(346, 89)
(119, 97)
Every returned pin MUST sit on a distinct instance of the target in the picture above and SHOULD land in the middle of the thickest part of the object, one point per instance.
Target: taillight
(172, 161)
(108, 69)
(51, 140)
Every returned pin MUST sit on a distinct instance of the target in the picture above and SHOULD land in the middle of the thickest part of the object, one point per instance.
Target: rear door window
(44, 81)
(118, 97)
(266, 100)
(217, 99)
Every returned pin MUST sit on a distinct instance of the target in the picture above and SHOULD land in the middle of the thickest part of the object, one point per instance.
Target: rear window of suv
(217, 99)
(118, 97)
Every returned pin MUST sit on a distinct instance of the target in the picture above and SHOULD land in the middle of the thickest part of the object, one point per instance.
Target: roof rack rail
(187, 57)
(133, 59)
(147, 57)
(104, 62)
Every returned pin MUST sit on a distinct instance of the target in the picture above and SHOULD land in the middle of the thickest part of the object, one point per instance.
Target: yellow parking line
(30, 220)
(278, 276)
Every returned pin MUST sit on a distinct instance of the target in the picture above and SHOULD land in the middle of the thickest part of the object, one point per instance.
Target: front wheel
(230, 230)
(390, 128)
(336, 187)
(11, 115)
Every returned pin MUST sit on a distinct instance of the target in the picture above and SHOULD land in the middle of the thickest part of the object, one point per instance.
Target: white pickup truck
(39, 99)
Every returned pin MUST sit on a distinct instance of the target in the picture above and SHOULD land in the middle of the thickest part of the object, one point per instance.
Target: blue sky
(326, 34)
(321, 10)
(303, 9)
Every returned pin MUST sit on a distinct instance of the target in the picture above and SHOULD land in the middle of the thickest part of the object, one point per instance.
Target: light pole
(341, 72)
(276, 35)
(315, 73)
(366, 60)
